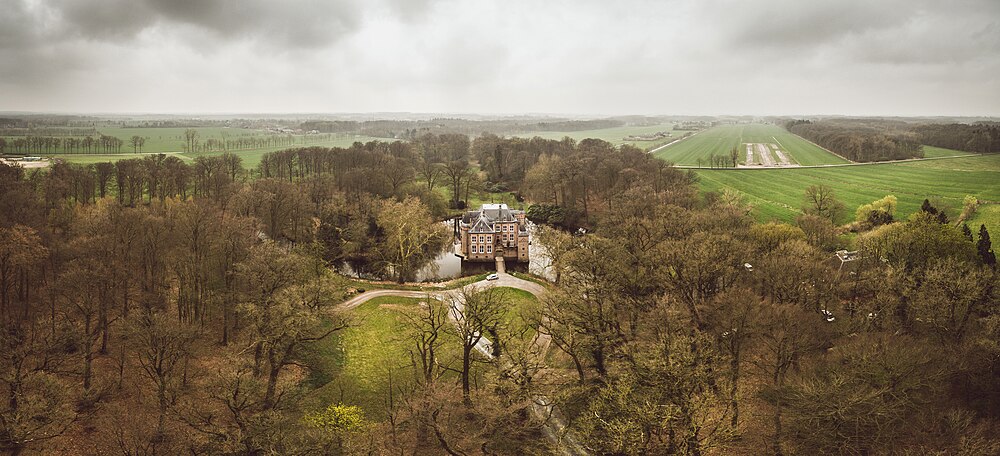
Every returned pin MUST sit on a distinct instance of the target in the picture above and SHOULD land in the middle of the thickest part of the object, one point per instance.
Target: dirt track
(765, 155)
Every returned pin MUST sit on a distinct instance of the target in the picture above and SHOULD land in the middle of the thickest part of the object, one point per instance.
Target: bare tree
(478, 311)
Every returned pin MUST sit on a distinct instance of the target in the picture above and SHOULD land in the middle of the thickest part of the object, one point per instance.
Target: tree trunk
(579, 367)
(734, 391)
(776, 444)
(88, 355)
(274, 368)
(466, 368)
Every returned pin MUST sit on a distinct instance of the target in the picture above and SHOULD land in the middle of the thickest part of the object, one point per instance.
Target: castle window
(489, 249)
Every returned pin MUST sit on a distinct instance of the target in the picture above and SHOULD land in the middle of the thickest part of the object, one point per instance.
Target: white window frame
(489, 248)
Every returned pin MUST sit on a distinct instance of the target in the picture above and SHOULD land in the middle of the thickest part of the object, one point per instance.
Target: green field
(934, 152)
(988, 215)
(612, 135)
(719, 140)
(353, 366)
(777, 194)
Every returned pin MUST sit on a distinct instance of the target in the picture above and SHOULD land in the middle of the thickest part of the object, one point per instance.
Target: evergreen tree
(967, 232)
(928, 208)
(984, 247)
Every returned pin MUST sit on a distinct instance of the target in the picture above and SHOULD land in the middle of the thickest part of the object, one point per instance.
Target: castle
(494, 231)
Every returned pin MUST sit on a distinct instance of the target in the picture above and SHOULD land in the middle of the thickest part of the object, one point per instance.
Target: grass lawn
(614, 136)
(777, 193)
(719, 140)
(932, 152)
(989, 215)
(523, 306)
(353, 366)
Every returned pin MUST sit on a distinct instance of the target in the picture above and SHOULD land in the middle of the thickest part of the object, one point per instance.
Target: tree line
(870, 139)
(980, 137)
(46, 131)
(412, 129)
(51, 144)
(856, 142)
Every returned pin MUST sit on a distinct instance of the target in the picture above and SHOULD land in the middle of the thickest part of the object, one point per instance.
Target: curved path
(555, 429)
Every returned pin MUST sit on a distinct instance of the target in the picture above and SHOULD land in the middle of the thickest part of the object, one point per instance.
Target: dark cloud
(296, 24)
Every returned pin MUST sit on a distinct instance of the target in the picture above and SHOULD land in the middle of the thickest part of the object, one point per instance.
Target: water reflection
(446, 265)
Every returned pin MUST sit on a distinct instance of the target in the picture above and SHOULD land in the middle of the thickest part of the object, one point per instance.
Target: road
(556, 431)
(657, 148)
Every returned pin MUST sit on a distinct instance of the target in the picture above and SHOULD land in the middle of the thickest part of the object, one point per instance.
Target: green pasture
(612, 135)
(988, 215)
(934, 152)
(777, 194)
(719, 140)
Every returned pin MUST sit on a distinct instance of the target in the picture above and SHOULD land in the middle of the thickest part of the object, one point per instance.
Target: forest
(868, 140)
(856, 142)
(158, 306)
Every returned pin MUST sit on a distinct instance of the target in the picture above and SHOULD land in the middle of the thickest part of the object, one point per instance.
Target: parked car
(492, 277)
(827, 315)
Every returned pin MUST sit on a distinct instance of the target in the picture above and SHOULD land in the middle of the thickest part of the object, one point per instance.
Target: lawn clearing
(354, 365)
(522, 306)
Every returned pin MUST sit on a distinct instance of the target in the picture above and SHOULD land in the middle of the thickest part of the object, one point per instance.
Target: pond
(446, 265)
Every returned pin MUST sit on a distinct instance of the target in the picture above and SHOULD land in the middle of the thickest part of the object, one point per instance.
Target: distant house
(494, 231)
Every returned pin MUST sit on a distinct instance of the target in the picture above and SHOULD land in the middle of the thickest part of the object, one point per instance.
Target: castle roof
(483, 220)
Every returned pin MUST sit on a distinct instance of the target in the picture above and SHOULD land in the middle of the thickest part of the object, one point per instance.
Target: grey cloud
(891, 31)
(682, 56)
(790, 23)
(296, 24)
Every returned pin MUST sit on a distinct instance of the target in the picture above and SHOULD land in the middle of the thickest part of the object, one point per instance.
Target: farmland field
(612, 135)
(719, 140)
(777, 194)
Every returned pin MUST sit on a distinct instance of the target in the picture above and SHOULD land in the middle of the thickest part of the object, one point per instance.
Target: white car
(827, 315)
(492, 277)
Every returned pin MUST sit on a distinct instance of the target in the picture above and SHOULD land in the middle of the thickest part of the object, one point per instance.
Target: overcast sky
(864, 57)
